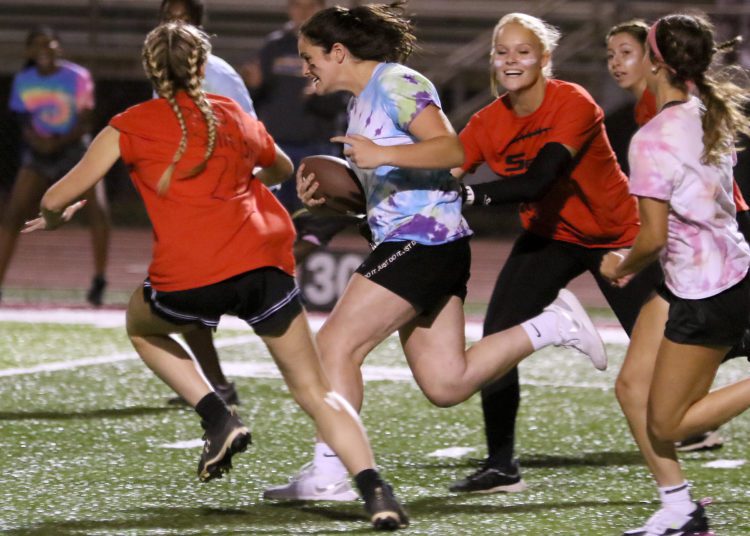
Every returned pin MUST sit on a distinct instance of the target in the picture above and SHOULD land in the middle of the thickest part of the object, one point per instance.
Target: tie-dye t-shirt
(53, 101)
(403, 203)
(705, 253)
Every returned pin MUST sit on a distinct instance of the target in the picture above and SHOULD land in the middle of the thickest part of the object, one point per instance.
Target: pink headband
(655, 48)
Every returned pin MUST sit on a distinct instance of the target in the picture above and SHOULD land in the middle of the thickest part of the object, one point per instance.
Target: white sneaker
(311, 485)
(668, 521)
(707, 441)
(576, 328)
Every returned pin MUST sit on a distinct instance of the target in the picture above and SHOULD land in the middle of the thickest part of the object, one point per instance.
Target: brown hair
(174, 55)
(686, 43)
(377, 32)
(636, 28)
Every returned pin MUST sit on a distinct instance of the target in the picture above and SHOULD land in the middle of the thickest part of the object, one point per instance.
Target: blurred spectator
(301, 122)
(53, 100)
(220, 79)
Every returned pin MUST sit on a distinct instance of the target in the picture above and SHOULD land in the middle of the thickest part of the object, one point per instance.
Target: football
(337, 183)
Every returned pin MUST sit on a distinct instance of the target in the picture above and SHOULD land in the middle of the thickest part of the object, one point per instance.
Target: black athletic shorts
(717, 320)
(54, 166)
(422, 275)
(267, 298)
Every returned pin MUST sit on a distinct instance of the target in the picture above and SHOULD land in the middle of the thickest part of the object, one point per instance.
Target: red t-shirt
(219, 223)
(645, 109)
(592, 206)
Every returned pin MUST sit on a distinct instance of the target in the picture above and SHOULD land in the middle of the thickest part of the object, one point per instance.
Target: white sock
(542, 330)
(326, 461)
(677, 498)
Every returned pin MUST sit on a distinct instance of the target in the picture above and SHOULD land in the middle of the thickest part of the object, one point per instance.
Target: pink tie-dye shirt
(705, 253)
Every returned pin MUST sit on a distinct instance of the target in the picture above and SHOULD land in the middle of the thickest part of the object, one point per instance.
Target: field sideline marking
(611, 332)
(113, 319)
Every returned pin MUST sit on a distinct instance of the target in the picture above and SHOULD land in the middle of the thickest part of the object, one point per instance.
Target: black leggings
(534, 273)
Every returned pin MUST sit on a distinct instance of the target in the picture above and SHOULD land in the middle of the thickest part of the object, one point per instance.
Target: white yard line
(111, 319)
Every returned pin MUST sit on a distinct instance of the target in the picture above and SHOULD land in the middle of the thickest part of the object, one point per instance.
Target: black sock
(212, 410)
(367, 481)
(500, 407)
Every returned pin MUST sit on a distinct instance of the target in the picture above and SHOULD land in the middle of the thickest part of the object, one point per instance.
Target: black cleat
(96, 291)
(491, 479)
(385, 511)
(221, 443)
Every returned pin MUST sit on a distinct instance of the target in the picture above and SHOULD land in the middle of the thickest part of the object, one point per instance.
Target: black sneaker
(491, 479)
(220, 445)
(665, 522)
(385, 511)
(707, 441)
(228, 394)
(96, 291)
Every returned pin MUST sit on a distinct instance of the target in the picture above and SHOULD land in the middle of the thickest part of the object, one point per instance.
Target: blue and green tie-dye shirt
(402, 203)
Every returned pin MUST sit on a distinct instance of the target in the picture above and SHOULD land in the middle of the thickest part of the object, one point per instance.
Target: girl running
(222, 244)
(401, 145)
(681, 172)
(626, 47)
(545, 139)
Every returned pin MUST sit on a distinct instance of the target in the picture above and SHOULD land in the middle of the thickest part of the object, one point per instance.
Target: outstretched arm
(551, 162)
(99, 158)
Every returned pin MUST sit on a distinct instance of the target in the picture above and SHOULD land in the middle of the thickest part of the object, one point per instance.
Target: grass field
(89, 446)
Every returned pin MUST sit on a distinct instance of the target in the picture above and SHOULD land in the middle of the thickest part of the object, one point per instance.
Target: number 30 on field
(324, 276)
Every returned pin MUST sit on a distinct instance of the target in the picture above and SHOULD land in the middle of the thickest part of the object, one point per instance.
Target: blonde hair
(174, 55)
(548, 36)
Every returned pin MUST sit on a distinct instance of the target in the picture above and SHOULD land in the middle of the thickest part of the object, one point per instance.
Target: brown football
(337, 183)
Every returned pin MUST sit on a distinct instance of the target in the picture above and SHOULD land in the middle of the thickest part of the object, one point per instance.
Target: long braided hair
(174, 55)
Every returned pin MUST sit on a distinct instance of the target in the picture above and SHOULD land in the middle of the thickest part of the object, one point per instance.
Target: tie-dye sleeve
(653, 168)
(16, 103)
(408, 93)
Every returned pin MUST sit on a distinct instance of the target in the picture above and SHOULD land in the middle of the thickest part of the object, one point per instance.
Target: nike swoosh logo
(336, 455)
(538, 333)
(335, 487)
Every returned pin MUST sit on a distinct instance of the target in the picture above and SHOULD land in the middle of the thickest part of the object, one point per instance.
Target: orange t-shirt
(219, 223)
(591, 206)
(645, 109)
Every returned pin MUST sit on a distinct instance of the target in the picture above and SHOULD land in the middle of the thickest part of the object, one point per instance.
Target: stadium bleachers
(106, 35)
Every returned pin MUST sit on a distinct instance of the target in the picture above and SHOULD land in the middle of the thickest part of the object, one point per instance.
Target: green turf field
(91, 447)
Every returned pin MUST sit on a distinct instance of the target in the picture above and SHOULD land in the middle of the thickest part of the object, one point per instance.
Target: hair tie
(651, 38)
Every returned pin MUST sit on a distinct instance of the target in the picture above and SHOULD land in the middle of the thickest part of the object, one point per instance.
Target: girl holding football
(401, 145)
